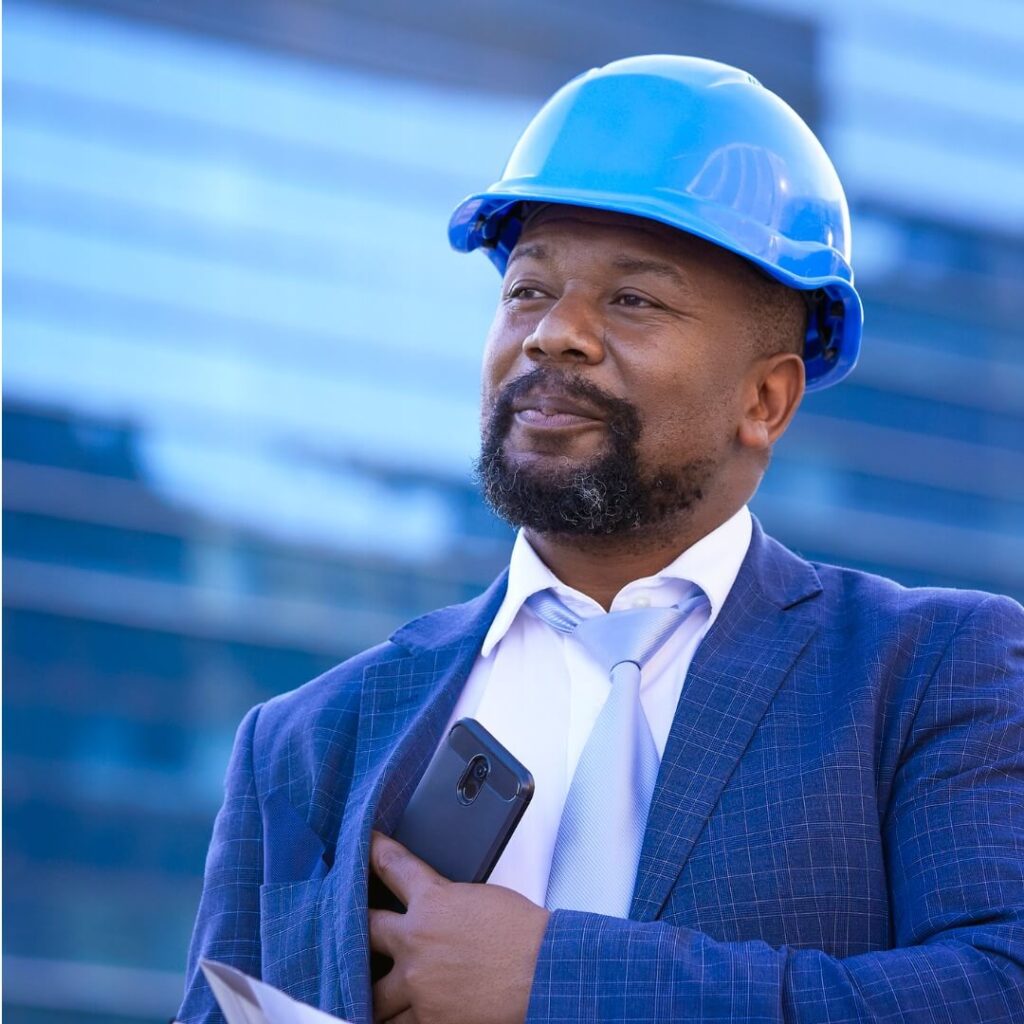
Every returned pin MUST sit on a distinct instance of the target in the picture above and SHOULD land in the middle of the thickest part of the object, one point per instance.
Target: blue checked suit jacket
(837, 832)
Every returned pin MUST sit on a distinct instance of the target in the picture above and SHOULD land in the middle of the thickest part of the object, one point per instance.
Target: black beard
(607, 495)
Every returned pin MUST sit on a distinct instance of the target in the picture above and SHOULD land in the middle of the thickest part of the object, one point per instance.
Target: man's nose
(570, 330)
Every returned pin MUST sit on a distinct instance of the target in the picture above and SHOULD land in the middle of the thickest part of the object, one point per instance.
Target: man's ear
(772, 392)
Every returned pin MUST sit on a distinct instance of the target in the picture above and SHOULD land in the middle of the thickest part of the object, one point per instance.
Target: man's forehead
(550, 216)
(546, 224)
(549, 221)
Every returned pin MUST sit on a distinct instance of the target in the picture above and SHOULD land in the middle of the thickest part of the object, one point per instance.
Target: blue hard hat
(705, 148)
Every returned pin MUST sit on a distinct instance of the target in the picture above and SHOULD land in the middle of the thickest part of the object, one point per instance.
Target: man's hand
(464, 954)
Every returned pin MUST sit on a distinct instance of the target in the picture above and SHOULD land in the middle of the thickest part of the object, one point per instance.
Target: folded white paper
(245, 1000)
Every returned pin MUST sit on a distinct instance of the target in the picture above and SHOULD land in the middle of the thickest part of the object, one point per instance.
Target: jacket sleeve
(953, 835)
(228, 923)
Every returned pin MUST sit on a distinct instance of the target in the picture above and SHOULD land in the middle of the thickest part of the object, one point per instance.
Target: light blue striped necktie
(597, 851)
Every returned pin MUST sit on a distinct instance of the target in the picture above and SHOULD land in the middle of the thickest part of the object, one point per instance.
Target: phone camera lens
(473, 779)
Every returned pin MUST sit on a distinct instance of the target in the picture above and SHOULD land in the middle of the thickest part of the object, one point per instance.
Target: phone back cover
(461, 841)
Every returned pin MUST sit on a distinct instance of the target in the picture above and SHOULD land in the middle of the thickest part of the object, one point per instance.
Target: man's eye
(524, 292)
(634, 301)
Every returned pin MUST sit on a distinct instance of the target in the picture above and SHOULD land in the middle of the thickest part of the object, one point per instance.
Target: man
(833, 827)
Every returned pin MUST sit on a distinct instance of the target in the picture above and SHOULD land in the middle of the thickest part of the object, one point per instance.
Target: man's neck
(601, 566)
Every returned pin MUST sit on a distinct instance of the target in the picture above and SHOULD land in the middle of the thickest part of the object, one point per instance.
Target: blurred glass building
(241, 379)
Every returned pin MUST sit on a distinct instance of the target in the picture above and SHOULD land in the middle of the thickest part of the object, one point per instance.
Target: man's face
(611, 381)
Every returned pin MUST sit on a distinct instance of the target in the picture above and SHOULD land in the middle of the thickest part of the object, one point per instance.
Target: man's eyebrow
(640, 265)
(630, 264)
(533, 250)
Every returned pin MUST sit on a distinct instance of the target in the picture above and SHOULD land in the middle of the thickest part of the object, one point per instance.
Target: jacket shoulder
(872, 624)
(300, 732)
(334, 689)
(870, 597)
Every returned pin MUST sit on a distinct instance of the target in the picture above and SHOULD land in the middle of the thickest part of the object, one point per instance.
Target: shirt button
(641, 601)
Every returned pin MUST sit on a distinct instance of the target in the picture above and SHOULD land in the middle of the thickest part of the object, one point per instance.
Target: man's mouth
(554, 410)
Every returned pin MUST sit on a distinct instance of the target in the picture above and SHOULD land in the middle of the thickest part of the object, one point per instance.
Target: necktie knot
(634, 635)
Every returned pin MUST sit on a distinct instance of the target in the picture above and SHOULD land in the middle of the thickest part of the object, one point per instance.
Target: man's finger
(402, 872)
(385, 928)
(389, 997)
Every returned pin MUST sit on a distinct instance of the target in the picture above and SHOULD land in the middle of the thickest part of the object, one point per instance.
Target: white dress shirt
(539, 692)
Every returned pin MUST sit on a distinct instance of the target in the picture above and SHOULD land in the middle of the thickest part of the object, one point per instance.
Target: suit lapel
(764, 625)
(404, 709)
(405, 703)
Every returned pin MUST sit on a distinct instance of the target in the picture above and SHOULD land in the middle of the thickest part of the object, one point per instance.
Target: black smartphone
(464, 809)
(467, 805)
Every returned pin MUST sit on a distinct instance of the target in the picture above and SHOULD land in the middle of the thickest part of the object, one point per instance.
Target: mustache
(621, 416)
(609, 493)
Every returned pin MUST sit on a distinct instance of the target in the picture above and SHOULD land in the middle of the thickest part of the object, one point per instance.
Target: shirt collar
(712, 564)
